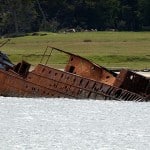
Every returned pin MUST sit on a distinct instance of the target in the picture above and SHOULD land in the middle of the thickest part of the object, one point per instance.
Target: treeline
(21, 16)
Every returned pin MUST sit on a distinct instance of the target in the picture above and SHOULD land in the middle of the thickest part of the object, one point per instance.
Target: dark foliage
(19, 16)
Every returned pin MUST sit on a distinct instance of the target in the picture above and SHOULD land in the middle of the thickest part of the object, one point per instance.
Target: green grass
(110, 49)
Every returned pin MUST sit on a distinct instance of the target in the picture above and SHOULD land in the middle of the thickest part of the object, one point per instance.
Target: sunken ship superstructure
(80, 79)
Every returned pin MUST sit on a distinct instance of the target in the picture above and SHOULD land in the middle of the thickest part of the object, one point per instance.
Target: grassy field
(110, 49)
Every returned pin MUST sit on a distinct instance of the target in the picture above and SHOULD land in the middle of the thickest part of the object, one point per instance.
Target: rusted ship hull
(81, 79)
(49, 82)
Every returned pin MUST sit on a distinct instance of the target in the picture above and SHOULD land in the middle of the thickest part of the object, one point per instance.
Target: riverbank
(146, 74)
(109, 49)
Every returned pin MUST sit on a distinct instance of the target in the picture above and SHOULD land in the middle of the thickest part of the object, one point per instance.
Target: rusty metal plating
(81, 79)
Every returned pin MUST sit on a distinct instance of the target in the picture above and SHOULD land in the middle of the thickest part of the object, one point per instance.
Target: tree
(17, 16)
(130, 14)
(145, 12)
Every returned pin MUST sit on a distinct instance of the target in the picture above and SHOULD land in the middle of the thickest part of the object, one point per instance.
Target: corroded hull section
(49, 82)
(81, 79)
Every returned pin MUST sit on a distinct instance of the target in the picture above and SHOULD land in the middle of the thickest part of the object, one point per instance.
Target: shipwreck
(80, 79)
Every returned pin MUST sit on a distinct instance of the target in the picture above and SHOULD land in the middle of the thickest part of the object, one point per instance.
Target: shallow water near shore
(69, 124)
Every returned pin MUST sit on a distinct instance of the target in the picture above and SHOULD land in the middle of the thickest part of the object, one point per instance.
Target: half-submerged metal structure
(80, 79)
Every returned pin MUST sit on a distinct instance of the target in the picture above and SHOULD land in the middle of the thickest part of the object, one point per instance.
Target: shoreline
(146, 74)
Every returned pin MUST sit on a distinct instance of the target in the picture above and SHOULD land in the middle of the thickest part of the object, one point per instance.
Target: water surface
(68, 124)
